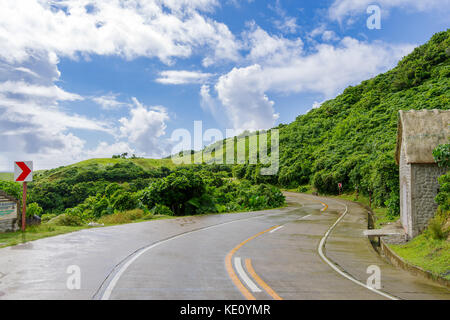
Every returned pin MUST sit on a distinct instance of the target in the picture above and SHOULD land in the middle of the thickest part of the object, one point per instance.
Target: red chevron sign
(23, 171)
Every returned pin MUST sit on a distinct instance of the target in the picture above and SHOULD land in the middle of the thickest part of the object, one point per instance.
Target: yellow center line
(269, 290)
(230, 270)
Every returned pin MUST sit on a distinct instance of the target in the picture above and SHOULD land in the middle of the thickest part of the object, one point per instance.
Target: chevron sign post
(23, 172)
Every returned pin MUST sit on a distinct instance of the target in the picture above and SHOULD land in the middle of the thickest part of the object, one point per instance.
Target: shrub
(302, 189)
(442, 155)
(162, 210)
(33, 209)
(436, 228)
(123, 201)
(122, 217)
(46, 217)
(66, 220)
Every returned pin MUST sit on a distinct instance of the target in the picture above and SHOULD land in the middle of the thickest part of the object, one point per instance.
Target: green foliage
(66, 220)
(436, 226)
(442, 155)
(46, 217)
(14, 189)
(443, 196)
(161, 210)
(123, 200)
(122, 217)
(174, 191)
(33, 209)
(351, 139)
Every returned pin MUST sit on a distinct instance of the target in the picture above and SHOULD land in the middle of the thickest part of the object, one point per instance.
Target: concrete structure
(419, 133)
(8, 212)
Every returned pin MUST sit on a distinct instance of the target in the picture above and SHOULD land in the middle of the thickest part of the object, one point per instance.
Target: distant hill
(102, 163)
(6, 176)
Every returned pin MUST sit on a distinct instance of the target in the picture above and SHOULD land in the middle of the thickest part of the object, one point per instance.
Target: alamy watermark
(259, 147)
(374, 280)
(74, 279)
(374, 20)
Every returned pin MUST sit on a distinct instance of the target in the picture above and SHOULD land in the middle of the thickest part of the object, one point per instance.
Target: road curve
(271, 254)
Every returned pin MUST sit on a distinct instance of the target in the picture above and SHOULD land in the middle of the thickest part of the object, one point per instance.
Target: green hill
(351, 139)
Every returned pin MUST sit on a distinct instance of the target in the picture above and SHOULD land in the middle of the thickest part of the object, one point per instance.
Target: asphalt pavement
(271, 254)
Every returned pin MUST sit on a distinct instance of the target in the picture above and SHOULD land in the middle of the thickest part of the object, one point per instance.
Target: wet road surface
(270, 254)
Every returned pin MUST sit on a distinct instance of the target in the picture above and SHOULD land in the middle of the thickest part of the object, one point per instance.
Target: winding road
(312, 249)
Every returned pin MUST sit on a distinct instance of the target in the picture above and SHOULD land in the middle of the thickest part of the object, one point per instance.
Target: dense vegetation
(89, 192)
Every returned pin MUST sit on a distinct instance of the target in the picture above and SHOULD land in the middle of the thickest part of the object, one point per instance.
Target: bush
(436, 228)
(393, 205)
(46, 217)
(66, 220)
(442, 155)
(33, 209)
(162, 210)
(123, 201)
(302, 189)
(122, 217)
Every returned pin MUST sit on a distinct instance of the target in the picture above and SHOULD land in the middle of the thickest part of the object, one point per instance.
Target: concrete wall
(424, 188)
(8, 225)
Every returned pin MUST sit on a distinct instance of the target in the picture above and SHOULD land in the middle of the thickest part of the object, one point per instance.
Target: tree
(174, 191)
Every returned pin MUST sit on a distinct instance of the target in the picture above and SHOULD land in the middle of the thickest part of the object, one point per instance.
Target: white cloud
(26, 89)
(183, 77)
(285, 23)
(243, 99)
(149, 28)
(243, 92)
(109, 101)
(265, 48)
(144, 128)
(341, 9)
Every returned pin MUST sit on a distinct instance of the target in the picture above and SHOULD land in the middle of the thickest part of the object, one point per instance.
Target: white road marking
(275, 229)
(238, 265)
(306, 216)
(112, 284)
(335, 268)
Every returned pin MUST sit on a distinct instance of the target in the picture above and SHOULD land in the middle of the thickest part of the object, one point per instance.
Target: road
(272, 254)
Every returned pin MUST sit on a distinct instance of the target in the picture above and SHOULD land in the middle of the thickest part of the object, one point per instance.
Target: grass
(35, 233)
(427, 253)
(7, 176)
(130, 216)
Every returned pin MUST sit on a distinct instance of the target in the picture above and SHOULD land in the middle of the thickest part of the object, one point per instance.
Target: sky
(84, 79)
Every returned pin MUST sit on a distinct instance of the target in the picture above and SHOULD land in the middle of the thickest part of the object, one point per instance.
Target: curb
(399, 262)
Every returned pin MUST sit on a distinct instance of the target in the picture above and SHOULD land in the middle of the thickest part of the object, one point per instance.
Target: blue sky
(88, 78)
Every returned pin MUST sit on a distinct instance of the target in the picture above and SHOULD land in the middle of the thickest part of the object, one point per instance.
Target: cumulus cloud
(243, 92)
(144, 127)
(341, 9)
(244, 101)
(149, 28)
(267, 48)
(183, 77)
